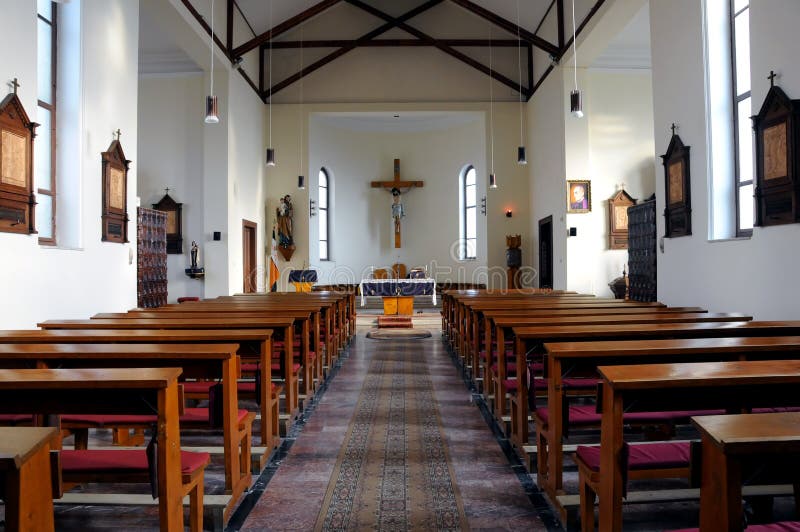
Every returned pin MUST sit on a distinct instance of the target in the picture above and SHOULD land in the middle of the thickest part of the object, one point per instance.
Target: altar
(398, 294)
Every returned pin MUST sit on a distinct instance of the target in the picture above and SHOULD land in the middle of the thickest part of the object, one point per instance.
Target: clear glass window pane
(45, 9)
(469, 246)
(471, 195)
(323, 249)
(44, 215)
(738, 5)
(45, 61)
(746, 207)
(41, 151)
(323, 198)
(323, 178)
(470, 178)
(472, 223)
(323, 225)
(745, 131)
(742, 52)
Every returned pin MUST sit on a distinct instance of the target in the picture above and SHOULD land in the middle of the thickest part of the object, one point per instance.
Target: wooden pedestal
(403, 305)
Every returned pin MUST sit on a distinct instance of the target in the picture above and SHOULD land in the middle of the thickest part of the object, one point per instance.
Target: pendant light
(521, 159)
(575, 100)
(301, 180)
(492, 176)
(270, 150)
(212, 116)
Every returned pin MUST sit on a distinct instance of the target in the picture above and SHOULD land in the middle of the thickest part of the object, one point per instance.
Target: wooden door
(546, 252)
(250, 273)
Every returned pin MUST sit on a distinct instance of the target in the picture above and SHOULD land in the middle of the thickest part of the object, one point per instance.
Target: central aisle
(395, 444)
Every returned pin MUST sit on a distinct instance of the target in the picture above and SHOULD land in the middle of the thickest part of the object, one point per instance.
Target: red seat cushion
(277, 367)
(109, 420)
(647, 456)
(250, 387)
(587, 415)
(783, 526)
(187, 298)
(122, 461)
(510, 385)
(250, 368)
(511, 368)
(200, 415)
(198, 387)
(15, 418)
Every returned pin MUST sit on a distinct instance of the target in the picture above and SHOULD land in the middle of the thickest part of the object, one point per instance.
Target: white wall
(432, 157)
(751, 275)
(611, 145)
(171, 153)
(42, 282)
(546, 167)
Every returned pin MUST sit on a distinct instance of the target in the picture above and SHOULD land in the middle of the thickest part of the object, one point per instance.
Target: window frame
(326, 211)
(464, 208)
(737, 98)
(51, 107)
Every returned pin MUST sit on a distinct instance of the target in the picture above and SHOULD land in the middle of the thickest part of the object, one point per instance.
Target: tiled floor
(492, 495)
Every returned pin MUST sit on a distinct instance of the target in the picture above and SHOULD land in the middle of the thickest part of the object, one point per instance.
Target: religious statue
(397, 209)
(285, 212)
(194, 255)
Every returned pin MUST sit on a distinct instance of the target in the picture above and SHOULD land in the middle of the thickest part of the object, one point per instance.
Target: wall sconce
(312, 208)
(509, 213)
(483, 205)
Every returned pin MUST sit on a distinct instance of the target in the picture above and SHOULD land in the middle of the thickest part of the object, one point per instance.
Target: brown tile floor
(491, 492)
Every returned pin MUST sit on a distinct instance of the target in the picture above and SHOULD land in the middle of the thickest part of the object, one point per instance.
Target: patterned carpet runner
(392, 472)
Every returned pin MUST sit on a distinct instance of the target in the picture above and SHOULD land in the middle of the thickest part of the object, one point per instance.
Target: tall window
(469, 213)
(742, 107)
(45, 145)
(324, 211)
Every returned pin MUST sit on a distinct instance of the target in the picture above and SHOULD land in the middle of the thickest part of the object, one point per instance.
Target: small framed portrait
(579, 196)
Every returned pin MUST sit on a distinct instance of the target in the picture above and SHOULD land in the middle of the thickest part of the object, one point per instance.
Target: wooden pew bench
(109, 391)
(733, 386)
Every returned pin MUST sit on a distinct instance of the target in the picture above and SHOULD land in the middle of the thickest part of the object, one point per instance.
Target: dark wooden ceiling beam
(438, 44)
(509, 26)
(560, 16)
(283, 27)
(497, 43)
(229, 26)
(351, 46)
(200, 20)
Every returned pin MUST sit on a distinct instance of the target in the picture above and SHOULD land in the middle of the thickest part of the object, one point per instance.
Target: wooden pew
(219, 323)
(733, 386)
(503, 324)
(201, 361)
(253, 343)
(109, 391)
(654, 331)
(25, 474)
(727, 442)
(567, 358)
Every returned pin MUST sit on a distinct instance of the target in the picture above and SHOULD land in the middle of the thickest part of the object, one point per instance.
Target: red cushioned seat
(198, 387)
(250, 387)
(109, 420)
(187, 298)
(587, 415)
(279, 354)
(510, 385)
(511, 368)
(250, 368)
(280, 343)
(783, 526)
(277, 367)
(666, 455)
(122, 461)
(200, 415)
(773, 410)
(15, 418)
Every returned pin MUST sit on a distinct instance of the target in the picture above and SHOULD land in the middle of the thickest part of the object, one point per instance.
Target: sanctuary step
(395, 322)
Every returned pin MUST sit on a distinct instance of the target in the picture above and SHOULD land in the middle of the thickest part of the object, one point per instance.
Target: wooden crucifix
(395, 187)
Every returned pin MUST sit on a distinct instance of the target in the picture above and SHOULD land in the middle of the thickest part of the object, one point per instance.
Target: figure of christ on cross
(395, 187)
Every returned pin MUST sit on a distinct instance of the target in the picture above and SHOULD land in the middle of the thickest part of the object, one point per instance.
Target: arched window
(324, 215)
(468, 222)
